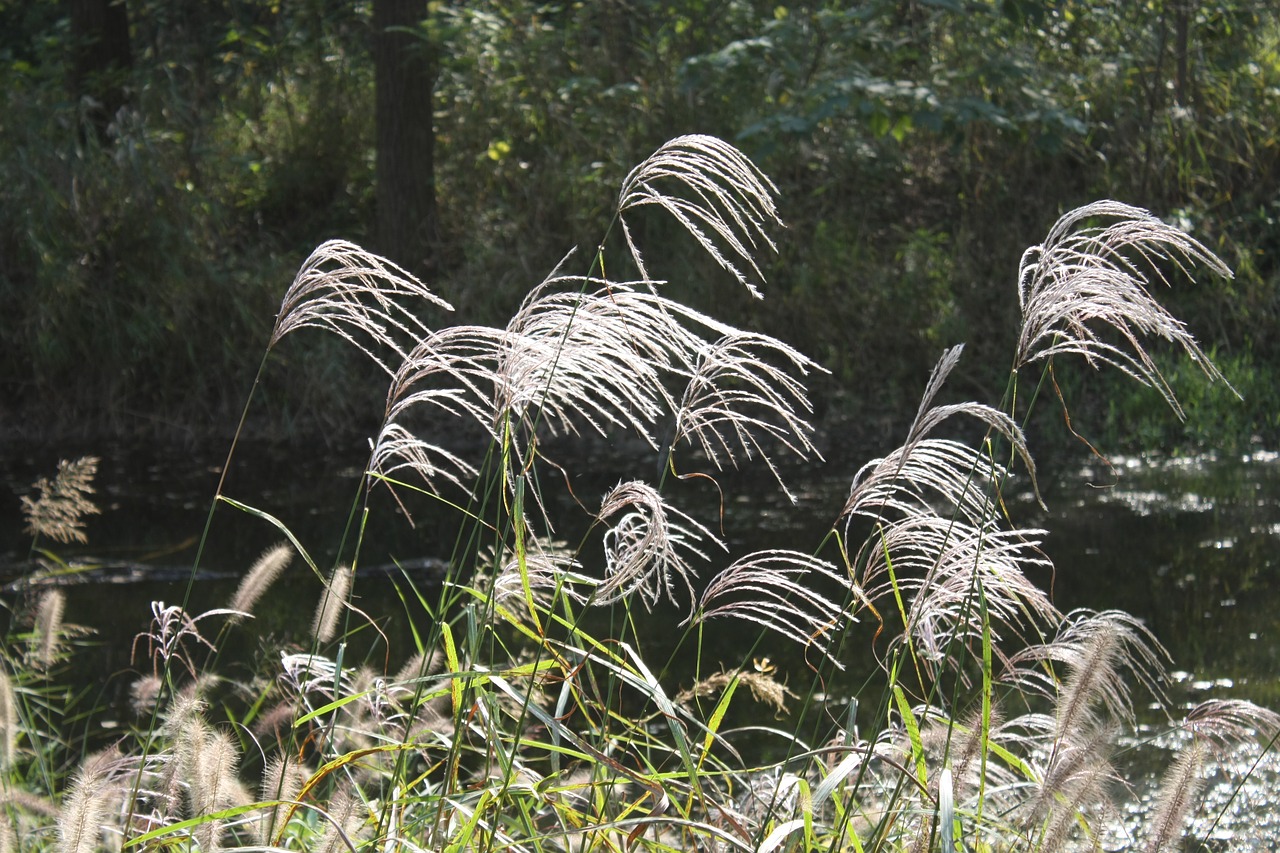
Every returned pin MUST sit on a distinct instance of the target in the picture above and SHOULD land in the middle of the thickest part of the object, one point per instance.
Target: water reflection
(1190, 546)
(1187, 545)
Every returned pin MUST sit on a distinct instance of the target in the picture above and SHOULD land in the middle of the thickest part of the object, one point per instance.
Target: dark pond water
(1191, 546)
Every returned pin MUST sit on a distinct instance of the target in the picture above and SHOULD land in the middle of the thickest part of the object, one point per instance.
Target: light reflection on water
(1189, 545)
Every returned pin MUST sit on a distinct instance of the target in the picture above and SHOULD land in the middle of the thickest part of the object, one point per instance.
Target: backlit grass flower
(58, 513)
(1086, 290)
(797, 596)
(365, 299)
(715, 192)
(648, 546)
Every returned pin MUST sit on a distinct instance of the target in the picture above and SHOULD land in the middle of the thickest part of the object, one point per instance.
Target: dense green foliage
(918, 147)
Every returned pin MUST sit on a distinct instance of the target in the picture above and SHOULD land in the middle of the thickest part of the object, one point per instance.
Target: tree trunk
(1182, 11)
(405, 68)
(101, 58)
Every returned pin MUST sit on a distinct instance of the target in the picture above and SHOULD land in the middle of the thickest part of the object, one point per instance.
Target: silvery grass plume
(1086, 278)
(601, 353)
(58, 513)
(739, 387)
(567, 357)
(647, 549)
(723, 199)
(779, 590)
(261, 575)
(940, 565)
(597, 356)
(583, 349)
(579, 348)
(737, 394)
(363, 298)
(1224, 722)
(935, 507)
(910, 481)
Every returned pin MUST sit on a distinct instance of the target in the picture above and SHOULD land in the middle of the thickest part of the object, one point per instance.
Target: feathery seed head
(48, 628)
(714, 192)
(779, 590)
(1086, 290)
(737, 395)
(908, 481)
(144, 694)
(282, 779)
(212, 784)
(324, 627)
(938, 566)
(648, 547)
(346, 815)
(363, 298)
(261, 575)
(88, 806)
(1177, 795)
(58, 513)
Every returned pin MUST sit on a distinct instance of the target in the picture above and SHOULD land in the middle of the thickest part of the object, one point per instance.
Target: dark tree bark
(101, 59)
(1182, 12)
(405, 69)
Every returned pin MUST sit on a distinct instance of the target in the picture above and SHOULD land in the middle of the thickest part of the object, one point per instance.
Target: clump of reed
(530, 716)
